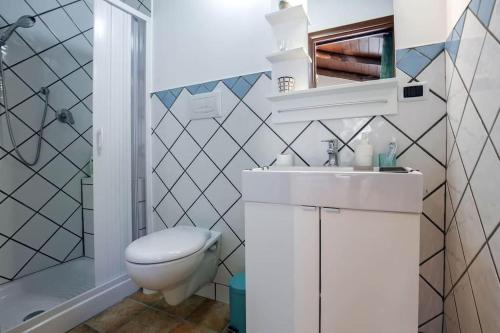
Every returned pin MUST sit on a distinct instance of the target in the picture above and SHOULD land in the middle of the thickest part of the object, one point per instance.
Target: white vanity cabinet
(311, 268)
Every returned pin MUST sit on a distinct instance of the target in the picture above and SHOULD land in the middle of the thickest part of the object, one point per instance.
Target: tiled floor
(150, 314)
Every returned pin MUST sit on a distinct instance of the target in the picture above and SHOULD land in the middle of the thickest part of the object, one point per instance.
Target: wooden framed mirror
(357, 52)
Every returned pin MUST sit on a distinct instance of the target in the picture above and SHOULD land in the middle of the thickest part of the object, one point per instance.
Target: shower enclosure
(53, 257)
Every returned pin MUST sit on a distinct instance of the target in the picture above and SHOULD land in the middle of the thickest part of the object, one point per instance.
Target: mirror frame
(352, 30)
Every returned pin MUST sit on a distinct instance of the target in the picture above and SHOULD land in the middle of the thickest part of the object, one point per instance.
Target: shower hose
(45, 92)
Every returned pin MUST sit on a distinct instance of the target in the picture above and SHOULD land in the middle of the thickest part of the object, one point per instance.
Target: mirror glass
(351, 41)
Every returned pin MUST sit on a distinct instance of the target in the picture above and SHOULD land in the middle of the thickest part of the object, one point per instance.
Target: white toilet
(176, 261)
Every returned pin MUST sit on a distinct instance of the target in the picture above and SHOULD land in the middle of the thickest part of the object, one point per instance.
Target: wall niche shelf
(295, 13)
(349, 100)
(298, 53)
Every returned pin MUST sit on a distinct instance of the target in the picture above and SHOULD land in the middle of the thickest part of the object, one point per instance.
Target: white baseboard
(79, 309)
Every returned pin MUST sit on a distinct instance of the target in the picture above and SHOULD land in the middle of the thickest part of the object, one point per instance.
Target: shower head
(25, 21)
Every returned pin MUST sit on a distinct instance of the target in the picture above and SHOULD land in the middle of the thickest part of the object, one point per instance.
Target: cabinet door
(282, 268)
(369, 271)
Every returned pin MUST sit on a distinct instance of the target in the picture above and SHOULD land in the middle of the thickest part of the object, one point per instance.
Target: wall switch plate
(206, 105)
(414, 91)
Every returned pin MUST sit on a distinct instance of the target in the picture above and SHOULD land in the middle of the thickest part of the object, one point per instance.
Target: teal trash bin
(237, 306)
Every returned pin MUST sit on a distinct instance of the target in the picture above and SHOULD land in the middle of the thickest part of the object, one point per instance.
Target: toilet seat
(167, 245)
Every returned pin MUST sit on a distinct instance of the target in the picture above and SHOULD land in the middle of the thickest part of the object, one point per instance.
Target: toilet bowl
(176, 261)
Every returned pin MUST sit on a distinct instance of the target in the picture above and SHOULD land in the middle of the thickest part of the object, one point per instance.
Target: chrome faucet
(333, 153)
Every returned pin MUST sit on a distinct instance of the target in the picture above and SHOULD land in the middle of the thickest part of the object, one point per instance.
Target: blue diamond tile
(268, 74)
(211, 85)
(474, 5)
(166, 98)
(452, 45)
(485, 11)
(231, 81)
(252, 78)
(193, 89)
(176, 91)
(431, 51)
(241, 87)
(401, 53)
(459, 27)
(202, 89)
(413, 63)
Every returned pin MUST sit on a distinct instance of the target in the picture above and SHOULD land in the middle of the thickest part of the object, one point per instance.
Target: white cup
(284, 160)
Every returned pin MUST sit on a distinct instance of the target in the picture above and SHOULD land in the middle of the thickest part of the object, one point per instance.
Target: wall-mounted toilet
(176, 261)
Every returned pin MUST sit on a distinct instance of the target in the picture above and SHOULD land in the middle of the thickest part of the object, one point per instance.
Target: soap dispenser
(363, 156)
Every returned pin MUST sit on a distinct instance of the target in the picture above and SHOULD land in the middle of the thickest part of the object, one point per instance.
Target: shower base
(44, 290)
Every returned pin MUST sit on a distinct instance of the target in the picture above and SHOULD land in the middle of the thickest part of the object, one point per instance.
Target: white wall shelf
(297, 53)
(349, 100)
(295, 13)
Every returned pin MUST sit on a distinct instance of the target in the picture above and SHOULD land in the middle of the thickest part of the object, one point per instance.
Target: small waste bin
(237, 306)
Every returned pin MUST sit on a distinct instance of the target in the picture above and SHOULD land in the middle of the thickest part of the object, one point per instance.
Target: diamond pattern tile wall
(198, 163)
(40, 206)
(472, 293)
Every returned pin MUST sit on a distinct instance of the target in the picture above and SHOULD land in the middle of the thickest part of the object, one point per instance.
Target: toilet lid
(166, 245)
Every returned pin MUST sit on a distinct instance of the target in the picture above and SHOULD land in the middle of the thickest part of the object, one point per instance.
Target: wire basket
(286, 84)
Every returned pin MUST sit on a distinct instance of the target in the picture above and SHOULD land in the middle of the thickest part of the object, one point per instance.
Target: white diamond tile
(470, 47)
(169, 210)
(38, 37)
(228, 101)
(88, 221)
(466, 309)
(495, 21)
(169, 170)
(486, 187)
(80, 48)
(448, 208)
(456, 102)
(13, 256)
(22, 132)
(450, 140)
(256, 98)
(80, 83)
(60, 245)
(59, 135)
(60, 24)
(158, 225)
(239, 163)
(74, 223)
(38, 263)
(471, 137)
(61, 97)
(346, 128)
(221, 148)
(241, 123)
(432, 271)
(180, 108)
(59, 60)
(236, 219)
(76, 253)
(414, 118)
(222, 275)
(450, 315)
(486, 288)
(43, 6)
(447, 276)
(431, 239)
(434, 173)
(434, 141)
(456, 177)
(59, 208)
(12, 174)
(185, 191)
(222, 194)
(402, 76)
(12, 9)
(229, 241)
(30, 112)
(264, 146)
(454, 253)
(430, 303)
(202, 171)
(35, 192)
(434, 326)
(495, 135)
(495, 248)
(185, 149)
(434, 75)
(13, 215)
(88, 135)
(89, 245)
(15, 50)
(82, 117)
(202, 129)
(158, 150)
(36, 232)
(287, 131)
(236, 261)
(203, 214)
(17, 91)
(88, 197)
(59, 171)
(469, 226)
(158, 110)
(168, 130)
(79, 152)
(486, 86)
(81, 15)
(434, 207)
(450, 69)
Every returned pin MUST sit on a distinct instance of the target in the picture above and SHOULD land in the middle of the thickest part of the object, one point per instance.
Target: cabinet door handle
(308, 208)
(331, 210)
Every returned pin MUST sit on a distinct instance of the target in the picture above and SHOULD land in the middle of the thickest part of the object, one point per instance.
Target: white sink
(338, 187)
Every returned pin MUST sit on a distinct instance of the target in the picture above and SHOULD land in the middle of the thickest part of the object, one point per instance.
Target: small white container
(284, 160)
(363, 157)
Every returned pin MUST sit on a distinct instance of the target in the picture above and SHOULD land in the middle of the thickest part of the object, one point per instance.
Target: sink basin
(337, 187)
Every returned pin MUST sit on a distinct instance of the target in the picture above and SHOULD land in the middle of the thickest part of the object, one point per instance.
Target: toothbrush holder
(383, 161)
